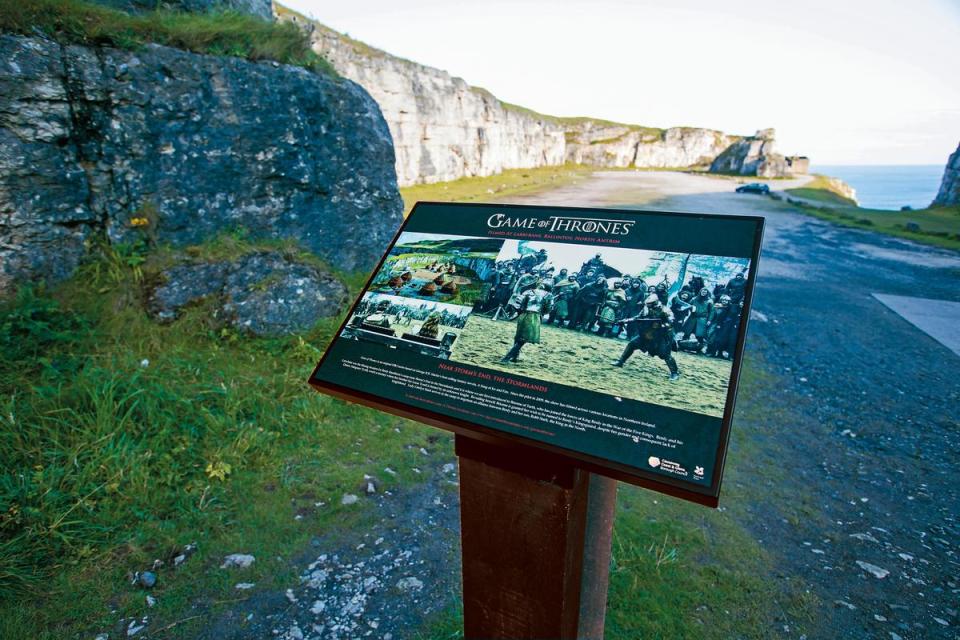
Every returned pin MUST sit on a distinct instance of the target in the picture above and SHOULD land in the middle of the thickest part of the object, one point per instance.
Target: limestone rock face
(186, 146)
(442, 128)
(752, 156)
(264, 293)
(261, 8)
(949, 193)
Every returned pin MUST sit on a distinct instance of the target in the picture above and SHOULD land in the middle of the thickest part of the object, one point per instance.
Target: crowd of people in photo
(374, 311)
(699, 317)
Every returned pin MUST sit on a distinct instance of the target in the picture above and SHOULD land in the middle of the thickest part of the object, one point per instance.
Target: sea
(888, 186)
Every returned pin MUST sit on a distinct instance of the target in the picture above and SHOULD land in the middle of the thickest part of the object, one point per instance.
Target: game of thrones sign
(611, 337)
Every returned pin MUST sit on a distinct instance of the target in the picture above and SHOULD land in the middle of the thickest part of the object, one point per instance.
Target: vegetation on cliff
(511, 182)
(220, 33)
(937, 226)
(823, 189)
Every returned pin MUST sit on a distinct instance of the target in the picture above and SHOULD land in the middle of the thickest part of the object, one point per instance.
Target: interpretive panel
(610, 336)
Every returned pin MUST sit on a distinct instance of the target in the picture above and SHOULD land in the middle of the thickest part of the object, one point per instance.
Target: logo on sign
(653, 461)
(573, 224)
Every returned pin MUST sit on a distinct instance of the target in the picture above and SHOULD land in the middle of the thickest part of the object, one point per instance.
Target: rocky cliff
(754, 156)
(949, 193)
(183, 147)
(444, 129)
(609, 144)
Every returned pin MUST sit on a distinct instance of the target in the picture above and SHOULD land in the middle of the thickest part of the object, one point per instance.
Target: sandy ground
(583, 360)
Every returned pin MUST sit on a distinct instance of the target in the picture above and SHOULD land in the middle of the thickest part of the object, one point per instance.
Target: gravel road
(863, 423)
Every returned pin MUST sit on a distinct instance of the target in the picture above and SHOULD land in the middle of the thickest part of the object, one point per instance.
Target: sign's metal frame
(707, 496)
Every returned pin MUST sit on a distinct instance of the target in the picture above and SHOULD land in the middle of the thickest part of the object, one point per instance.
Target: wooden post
(535, 533)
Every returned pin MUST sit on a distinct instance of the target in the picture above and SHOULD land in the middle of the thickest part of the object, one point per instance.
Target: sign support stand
(536, 533)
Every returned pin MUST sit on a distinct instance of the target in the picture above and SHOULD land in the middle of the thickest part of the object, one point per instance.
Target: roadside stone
(151, 601)
(244, 586)
(238, 560)
(294, 633)
(348, 499)
(449, 467)
(187, 551)
(136, 626)
(409, 584)
(877, 572)
(146, 579)
(865, 537)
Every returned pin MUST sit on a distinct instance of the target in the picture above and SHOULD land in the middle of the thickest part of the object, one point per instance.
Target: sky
(842, 81)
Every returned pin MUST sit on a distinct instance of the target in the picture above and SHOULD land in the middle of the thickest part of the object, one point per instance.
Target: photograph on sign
(602, 311)
(440, 268)
(613, 337)
(429, 328)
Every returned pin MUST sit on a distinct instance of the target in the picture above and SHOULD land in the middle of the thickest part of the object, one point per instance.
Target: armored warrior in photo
(655, 336)
(534, 303)
(564, 293)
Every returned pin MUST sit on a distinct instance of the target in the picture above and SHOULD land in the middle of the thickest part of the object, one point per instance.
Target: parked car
(754, 187)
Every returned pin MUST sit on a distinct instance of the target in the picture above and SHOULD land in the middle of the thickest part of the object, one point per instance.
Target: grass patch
(509, 183)
(219, 33)
(122, 440)
(936, 226)
(822, 189)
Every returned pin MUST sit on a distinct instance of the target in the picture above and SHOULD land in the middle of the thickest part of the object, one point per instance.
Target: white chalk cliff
(444, 129)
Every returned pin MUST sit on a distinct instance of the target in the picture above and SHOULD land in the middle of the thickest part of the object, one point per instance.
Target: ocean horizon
(888, 186)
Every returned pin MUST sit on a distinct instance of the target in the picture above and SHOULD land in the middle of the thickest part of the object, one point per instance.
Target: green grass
(936, 226)
(821, 189)
(219, 33)
(484, 189)
(107, 463)
(123, 440)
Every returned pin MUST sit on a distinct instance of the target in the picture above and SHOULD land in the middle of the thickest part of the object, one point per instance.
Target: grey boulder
(264, 293)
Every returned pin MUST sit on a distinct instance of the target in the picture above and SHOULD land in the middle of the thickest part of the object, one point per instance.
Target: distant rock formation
(111, 143)
(603, 144)
(752, 156)
(444, 129)
(949, 193)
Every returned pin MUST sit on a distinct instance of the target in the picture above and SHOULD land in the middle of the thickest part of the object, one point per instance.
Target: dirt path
(863, 423)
